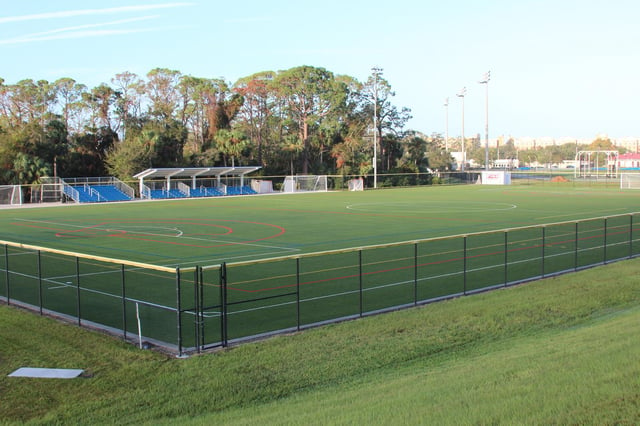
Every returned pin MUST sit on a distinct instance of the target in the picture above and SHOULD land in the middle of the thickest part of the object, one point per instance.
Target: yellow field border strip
(93, 257)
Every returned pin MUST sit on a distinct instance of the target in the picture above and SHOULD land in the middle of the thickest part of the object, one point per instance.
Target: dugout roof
(191, 172)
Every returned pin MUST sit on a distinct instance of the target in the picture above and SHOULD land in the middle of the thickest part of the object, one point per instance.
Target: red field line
(439, 262)
(90, 231)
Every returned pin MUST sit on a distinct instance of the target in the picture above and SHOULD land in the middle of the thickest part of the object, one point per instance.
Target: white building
(506, 164)
(629, 161)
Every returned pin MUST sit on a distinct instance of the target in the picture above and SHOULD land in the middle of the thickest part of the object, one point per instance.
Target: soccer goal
(10, 195)
(356, 184)
(630, 180)
(305, 183)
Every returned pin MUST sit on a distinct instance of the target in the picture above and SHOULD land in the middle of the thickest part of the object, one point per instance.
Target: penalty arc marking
(135, 230)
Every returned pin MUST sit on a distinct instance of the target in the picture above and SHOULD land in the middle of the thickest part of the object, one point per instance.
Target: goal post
(305, 183)
(595, 163)
(629, 180)
(10, 195)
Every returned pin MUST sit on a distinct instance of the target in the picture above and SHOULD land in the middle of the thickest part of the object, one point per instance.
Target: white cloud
(88, 30)
(85, 12)
(84, 34)
(74, 34)
(40, 35)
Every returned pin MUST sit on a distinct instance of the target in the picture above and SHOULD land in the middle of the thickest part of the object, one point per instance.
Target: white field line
(394, 284)
(232, 258)
(57, 285)
(179, 234)
(405, 282)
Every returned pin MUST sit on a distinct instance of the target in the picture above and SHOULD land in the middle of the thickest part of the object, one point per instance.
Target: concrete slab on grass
(47, 373)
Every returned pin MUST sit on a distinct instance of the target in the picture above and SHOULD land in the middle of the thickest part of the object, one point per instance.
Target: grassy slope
(560, 350)
(561, 376)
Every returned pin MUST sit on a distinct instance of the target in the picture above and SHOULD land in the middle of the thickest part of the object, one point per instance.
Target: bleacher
(240, 190)
(206, 192)
(86, 196)
(81, 191)
(111, 193)
(99, 194)
(157, 194)
(192, 182)
(183, 185)
(163, 193)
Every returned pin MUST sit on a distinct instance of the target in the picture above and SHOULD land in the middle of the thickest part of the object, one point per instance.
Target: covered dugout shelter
(190, 182)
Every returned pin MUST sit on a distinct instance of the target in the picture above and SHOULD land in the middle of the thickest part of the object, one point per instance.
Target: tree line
(304, 120)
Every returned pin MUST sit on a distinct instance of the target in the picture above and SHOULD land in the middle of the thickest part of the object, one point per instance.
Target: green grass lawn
(563, 350)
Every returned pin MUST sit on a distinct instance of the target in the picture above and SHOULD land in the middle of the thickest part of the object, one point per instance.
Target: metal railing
(95, 193)
(340, 182)
(124, 188)
(71, 192)
(184, 188)
(197, 308)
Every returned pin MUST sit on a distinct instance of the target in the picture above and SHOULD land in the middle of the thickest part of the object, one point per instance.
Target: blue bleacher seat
(240, 190)
(248, 190)
(110, 193)
(85, 195)
(173, 193)
(102, 193)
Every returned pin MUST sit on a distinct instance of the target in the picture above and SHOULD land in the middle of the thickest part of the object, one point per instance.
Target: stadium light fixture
(376, 72)
(461, 94)
(485, 80)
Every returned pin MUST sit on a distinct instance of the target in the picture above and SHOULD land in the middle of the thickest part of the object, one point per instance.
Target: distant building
(569, 164)
(524, 143)
(507, 164)
(629, 161)
(457, 159)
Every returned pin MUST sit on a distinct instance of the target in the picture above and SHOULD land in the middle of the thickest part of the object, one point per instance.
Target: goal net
(304, 183)
(11, 195)
(630, 180)
(356, 184)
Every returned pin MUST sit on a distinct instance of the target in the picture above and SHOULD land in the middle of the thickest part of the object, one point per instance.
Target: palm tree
(28, 169)
(231, 143)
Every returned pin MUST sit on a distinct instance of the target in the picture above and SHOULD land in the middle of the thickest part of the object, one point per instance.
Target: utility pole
(376, 72)
(446, 120)
(461, 94)
(485, 80)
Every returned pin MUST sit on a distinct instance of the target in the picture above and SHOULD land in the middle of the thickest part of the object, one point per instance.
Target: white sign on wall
(496, 177)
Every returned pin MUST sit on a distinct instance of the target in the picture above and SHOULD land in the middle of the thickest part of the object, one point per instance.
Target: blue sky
(558, 68)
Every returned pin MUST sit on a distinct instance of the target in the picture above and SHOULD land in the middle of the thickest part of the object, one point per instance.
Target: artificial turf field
(232, 229)
(267, 296)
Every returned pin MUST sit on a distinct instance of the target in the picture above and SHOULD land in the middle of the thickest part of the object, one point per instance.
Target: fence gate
(208, 312)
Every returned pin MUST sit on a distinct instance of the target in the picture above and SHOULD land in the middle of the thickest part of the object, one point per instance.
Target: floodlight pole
(446, 121)
(376, 72)
(461, 95)
(485, 80)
